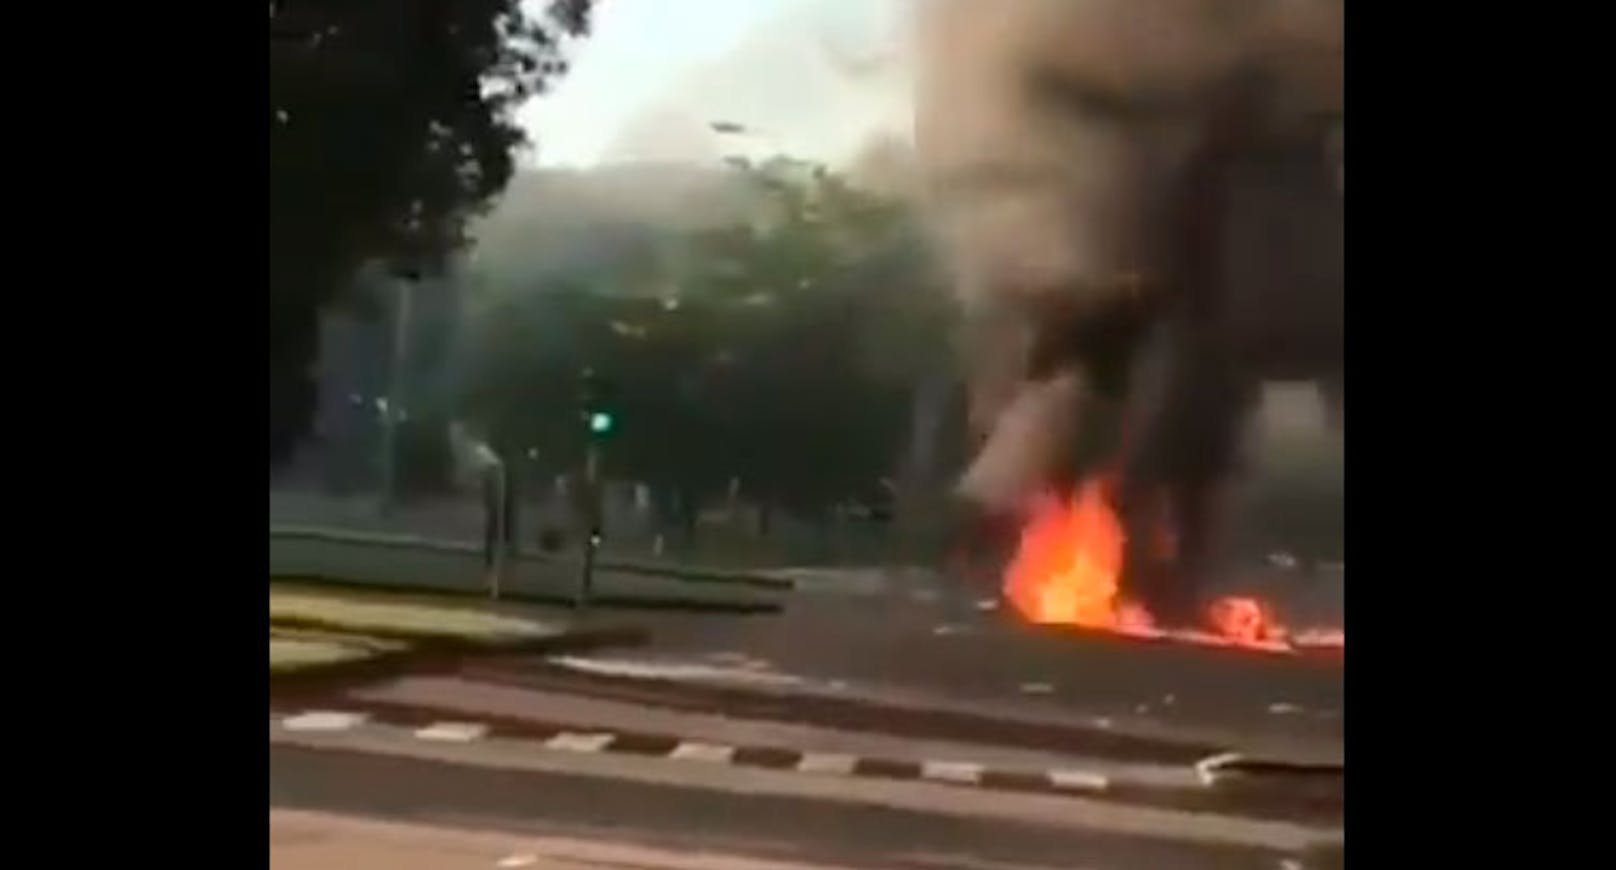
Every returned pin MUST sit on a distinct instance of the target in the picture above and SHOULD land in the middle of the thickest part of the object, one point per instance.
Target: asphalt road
(916, 642)
(861, 640)
(918, 639)
(812, 831)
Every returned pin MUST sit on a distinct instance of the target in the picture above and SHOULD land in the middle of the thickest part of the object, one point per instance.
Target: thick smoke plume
(1141, 206)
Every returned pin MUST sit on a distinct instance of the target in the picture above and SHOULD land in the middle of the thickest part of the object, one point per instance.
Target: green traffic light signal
(600, 423)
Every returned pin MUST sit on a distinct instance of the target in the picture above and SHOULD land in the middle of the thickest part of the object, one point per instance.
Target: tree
(818, 392)
(781, 349)
(390, 127)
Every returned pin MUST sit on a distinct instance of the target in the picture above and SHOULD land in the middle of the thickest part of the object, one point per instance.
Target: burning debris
(1069, 567)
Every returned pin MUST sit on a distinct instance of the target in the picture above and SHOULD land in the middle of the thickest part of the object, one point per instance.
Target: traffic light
(599, 411)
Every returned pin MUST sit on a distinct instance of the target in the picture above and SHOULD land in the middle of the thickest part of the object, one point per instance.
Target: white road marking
(1037, 688)
(453, 732)
(952, 771)
(675, 671)
(322, 720)
(833, 763)
(712, 753)
(522, 860)
(1079, 779)
(573, 741)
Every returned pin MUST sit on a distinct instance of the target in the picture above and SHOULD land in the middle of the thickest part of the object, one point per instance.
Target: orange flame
(1067, 566)
(1244, 620)
(1066, 572)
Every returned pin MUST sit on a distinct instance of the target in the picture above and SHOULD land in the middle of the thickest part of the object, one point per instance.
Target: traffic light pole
(592, 502)
(598, 424)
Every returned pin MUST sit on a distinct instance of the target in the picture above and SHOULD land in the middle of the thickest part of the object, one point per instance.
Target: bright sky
(652, 73)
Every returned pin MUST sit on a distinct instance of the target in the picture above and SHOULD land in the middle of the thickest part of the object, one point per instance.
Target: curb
(449, 725)
(435, 653)
(616, 602)
(625, 566)
(349, 629)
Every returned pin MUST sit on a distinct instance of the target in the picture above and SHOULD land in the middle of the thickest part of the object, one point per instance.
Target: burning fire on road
(1068, 567)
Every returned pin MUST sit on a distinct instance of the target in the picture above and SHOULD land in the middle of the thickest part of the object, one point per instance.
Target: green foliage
(781, 350)
(390, 127)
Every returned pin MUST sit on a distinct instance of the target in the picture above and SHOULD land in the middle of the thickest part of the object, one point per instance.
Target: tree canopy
(390, 127)
(779, 349)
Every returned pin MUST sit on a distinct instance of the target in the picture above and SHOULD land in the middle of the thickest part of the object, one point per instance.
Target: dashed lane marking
(961, 772)
(711, 753)
(1082, 780)
(823, 763)
(323, 720)
(832, 763)
(572, 741)
(453, 732)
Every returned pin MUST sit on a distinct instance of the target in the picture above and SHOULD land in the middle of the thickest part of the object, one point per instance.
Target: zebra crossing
(680, 749)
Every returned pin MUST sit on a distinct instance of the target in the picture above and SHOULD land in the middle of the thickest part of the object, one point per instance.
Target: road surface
(690, 808)
(915, 641)
(851, 729)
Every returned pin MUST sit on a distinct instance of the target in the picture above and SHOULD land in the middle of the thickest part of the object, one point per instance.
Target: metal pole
(593, 512)
(502, 531)
(395, 378)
